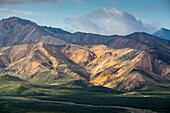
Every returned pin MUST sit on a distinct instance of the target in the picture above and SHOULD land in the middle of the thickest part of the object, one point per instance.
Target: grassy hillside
(11, 85)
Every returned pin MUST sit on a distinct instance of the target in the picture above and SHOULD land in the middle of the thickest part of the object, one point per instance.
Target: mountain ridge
(15, 30)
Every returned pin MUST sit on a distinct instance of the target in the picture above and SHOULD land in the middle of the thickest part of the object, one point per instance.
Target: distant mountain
(56, 30)
(137, 40)
(163, 33)
(122, 69)
(17, 31)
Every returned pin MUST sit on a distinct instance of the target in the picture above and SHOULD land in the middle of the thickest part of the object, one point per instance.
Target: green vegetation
(81, 93)
(19, 106)
(62, 80)
(44, 77)
(155, 104)
(11, 85)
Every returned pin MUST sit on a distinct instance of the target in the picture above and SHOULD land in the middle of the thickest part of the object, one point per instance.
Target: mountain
(15, 30)
(56, 30)
(163, 33)
(38, 61)
(122, 69)
(137, 40)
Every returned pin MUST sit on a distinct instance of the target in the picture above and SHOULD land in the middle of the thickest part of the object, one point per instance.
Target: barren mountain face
(29, 60)
(123, 69)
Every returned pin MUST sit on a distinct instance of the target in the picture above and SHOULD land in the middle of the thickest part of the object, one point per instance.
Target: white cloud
(78, 1)
(3, 9)
(15, 11)
(108, 22)
(29, 1)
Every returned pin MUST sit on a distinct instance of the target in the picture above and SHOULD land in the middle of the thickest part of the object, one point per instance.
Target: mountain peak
(13, 18)
(139, 35)
(164, 28)
(163, 33)
(16, 20)
(16, 30)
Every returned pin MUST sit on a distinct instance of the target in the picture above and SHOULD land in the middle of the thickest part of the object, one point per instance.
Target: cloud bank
(15, 11)
(108, 22)
(29, 1)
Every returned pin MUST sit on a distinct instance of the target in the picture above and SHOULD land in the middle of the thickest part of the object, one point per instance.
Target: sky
(106, 17)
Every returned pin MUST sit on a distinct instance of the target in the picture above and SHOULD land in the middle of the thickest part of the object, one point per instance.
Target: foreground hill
(122, 69)
(18, 31)
(39, 63)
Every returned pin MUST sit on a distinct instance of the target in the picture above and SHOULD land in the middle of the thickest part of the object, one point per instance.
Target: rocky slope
(18, 31)
(123, 69)
(29, 60)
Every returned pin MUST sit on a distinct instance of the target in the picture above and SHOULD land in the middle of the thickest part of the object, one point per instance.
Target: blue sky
(96, 16)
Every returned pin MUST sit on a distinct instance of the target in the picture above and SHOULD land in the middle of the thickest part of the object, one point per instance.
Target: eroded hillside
(122, 69)
(29, 60)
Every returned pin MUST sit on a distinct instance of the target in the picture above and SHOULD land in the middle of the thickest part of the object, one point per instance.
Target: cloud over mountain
(109, 21)
(29, 1)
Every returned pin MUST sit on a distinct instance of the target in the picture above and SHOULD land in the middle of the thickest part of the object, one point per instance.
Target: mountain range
(46, 55)
(15, 30)
(122, 69)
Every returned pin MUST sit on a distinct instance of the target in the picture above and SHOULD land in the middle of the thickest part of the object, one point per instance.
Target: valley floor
(128, 109)
(84, 104)
(15, 96)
